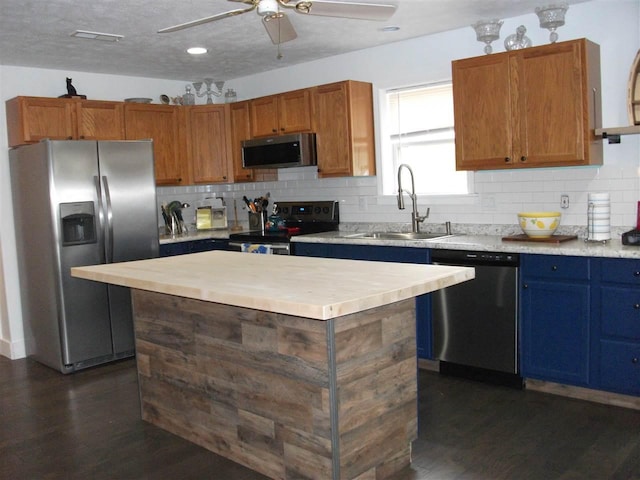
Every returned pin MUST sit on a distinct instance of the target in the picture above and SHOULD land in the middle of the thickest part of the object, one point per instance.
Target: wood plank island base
(299, 368)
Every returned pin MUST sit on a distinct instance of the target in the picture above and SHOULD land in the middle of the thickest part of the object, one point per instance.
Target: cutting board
(552, 239)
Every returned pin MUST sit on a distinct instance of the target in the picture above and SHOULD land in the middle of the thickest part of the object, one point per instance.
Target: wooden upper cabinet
(536, 107)
(240, 129)
(100, 120)
(207, 143)
(32, 119)
(343, 123)
(164, 124)
(281, 114)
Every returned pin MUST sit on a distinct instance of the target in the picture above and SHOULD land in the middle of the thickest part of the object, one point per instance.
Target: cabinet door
(482, 112)
(264, 116)
(343, 122)
(162, 123)
(100, 120)
(208, 143)
(240, 130)
(31, 119)
(331, 124)
(555, 321)
(551, 106)
(294, 112)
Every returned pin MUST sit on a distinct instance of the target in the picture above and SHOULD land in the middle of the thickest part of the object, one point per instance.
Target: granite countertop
(193, 234)
(490, 243)
(318, 288)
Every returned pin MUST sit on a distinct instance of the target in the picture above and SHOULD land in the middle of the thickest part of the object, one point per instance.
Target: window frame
(386, 152)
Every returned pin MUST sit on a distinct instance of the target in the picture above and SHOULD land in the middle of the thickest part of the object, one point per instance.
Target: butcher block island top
(296, 367)
(316, 288)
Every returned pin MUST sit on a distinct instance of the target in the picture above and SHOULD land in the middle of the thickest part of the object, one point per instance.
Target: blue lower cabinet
(193, 246)
(618, 335)
(620, 366)
(556, 318)
(383, 254)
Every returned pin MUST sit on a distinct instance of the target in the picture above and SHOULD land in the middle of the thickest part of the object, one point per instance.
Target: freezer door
(131, 229)
(83, 306)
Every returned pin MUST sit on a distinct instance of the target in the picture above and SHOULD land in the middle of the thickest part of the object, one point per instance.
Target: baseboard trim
(12, 350)
(581, 393)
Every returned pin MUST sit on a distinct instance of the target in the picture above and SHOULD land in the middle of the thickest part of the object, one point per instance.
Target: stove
(300, 218)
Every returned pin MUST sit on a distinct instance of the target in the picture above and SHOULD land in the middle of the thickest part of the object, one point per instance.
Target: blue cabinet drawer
(621, 271)
(620, 367)
(620, 313)
(556, 267)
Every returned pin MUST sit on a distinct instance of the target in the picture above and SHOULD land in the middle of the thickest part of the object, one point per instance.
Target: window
(419, 132)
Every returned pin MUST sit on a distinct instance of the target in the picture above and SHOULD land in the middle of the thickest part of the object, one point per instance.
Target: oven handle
(276, 248)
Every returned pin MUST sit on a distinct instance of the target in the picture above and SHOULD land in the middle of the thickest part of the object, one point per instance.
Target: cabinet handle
(507, 159)
(526, 285)
(637, 306)
(554, 268)
(634, 360)
(282, 128)
(523, 158)
(636, 274)
(274, 130)
(224, 177)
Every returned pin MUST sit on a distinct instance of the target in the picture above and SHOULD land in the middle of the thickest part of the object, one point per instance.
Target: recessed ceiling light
(105, 37)
(196, 50)
(390, 28)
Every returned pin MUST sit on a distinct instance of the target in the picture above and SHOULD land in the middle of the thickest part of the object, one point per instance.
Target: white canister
(598, 217)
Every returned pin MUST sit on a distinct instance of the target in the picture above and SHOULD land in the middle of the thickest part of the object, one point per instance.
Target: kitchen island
(295, 367)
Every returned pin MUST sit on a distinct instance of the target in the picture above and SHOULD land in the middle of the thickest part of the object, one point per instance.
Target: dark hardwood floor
(87, 426)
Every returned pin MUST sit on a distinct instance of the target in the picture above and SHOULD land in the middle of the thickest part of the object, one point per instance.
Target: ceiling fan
(279, 26)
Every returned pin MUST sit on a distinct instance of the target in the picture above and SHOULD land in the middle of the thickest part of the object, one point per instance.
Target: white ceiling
(36, 33)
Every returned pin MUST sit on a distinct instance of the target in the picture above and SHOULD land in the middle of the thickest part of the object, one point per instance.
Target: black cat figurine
(71, 91)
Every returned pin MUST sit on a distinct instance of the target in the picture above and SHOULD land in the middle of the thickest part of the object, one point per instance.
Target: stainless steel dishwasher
(475, 323)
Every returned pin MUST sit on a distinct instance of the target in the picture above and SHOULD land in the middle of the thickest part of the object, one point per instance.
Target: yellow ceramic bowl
(539, 224)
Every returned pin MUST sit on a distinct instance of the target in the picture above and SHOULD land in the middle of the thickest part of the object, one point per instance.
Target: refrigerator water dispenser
(78, 223)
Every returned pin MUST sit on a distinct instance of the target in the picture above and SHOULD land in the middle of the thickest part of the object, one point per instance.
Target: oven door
(268, 248)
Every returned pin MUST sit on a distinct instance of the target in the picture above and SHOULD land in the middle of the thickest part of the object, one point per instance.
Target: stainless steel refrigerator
(80, 203)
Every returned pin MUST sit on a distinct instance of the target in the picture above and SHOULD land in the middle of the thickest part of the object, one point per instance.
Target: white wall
(614, 24)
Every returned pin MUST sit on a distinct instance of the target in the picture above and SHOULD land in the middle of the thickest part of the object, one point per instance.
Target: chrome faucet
(416, 219)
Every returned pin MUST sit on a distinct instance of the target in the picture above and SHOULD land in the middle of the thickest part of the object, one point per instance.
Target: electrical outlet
(564, 201)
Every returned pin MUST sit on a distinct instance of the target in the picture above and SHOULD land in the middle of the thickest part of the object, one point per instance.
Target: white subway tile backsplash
(500, 195)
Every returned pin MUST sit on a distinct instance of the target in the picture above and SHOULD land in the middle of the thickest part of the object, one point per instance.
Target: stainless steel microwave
(295, 150)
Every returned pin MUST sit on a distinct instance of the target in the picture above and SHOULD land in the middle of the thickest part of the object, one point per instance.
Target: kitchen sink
(398, 235)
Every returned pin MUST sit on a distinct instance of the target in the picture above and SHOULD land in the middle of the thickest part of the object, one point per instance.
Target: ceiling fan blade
(212, 18)
(279, 28)
(357, 10)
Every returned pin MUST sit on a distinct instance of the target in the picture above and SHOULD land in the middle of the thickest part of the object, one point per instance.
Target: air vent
(105, 37)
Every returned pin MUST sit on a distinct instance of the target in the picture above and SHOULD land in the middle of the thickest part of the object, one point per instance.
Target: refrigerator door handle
(109, 229)
(101, 219)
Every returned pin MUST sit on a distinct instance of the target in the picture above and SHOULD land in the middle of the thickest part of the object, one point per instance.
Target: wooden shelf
(613, 134)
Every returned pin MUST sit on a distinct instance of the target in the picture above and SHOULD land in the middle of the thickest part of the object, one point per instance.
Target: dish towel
(255, 248)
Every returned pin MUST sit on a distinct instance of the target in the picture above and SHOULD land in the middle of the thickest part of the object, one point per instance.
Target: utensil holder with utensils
(257, 221)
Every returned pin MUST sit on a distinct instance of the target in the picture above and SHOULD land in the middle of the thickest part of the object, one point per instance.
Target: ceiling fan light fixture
(196, 50)
(267, 8)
